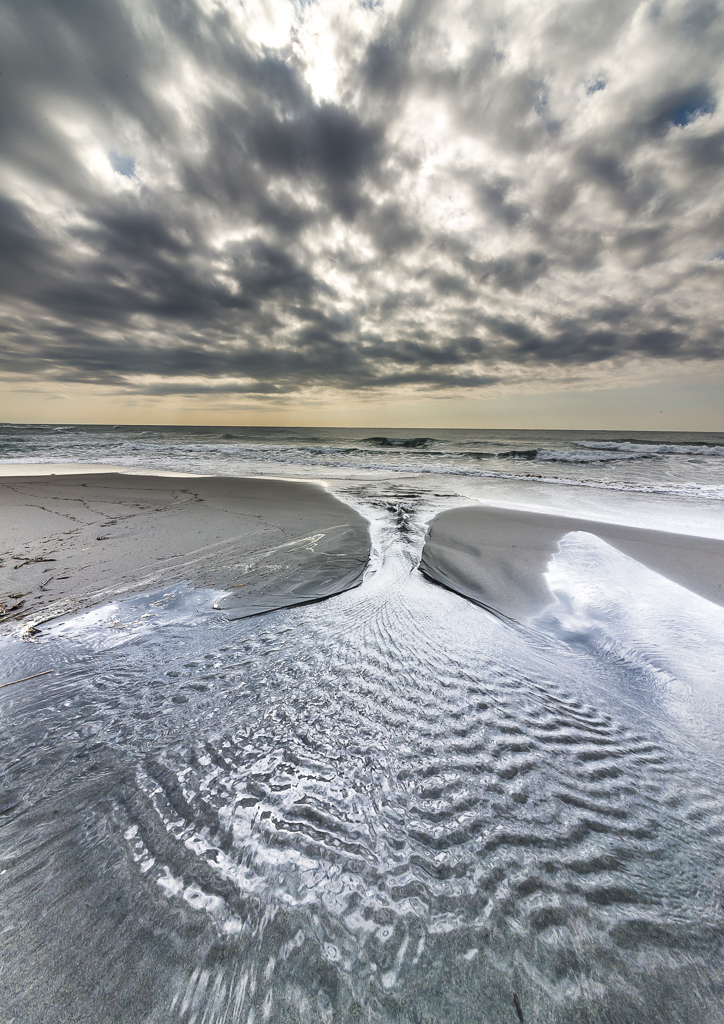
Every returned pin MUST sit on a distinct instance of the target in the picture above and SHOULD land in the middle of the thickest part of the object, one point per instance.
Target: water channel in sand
(389, 806)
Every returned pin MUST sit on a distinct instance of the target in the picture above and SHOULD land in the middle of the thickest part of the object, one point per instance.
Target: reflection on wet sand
(388, 807)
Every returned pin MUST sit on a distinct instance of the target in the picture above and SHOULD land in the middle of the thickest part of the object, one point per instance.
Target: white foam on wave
(644, 448)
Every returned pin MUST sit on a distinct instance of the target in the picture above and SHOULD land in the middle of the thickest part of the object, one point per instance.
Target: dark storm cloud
(197, 198)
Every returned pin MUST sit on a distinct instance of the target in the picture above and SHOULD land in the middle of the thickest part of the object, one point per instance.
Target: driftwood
(25, 678)
(518, 1009)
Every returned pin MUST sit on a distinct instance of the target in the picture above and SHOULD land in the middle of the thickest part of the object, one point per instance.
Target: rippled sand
(388, 806)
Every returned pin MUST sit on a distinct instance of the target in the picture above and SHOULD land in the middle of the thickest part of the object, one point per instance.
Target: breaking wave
(400, 442)
(591, 455)
(646, 448)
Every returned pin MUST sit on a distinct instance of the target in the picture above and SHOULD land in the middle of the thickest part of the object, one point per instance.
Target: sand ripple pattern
(389, 807)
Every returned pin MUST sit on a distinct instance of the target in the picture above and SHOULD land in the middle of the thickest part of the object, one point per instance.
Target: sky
(426, 212)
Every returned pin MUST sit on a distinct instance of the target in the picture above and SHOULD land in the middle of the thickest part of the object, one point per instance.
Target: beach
(309, 742)
(498, 557)
(74, 540)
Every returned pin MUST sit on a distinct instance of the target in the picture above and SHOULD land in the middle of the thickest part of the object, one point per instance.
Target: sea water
(390, 805)
(665, 463)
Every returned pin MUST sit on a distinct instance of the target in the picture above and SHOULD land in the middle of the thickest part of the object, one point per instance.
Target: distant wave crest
(400, 442)
(595, 455)
(549, 455)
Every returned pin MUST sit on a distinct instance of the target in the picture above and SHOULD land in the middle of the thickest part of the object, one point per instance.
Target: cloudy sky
(363, 211)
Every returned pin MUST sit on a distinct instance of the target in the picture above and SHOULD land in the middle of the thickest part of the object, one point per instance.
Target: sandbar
(73, 540)
(497, 557)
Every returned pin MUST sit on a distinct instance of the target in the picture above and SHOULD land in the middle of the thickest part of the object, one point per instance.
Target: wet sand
(497, 557)
(73, 540)
(384, 807)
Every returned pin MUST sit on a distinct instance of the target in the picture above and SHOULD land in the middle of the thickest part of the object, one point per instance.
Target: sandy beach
(388, 799)
(497, 557)
(70, 541)
(77, 539)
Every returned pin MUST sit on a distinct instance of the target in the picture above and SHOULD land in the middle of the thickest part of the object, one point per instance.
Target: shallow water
(388, 806)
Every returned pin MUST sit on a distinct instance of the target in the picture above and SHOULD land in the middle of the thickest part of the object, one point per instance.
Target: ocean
(391, 805)
(681, 464)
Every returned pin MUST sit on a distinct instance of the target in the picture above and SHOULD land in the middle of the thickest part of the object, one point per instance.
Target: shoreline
(81, 535)
(77, 538)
